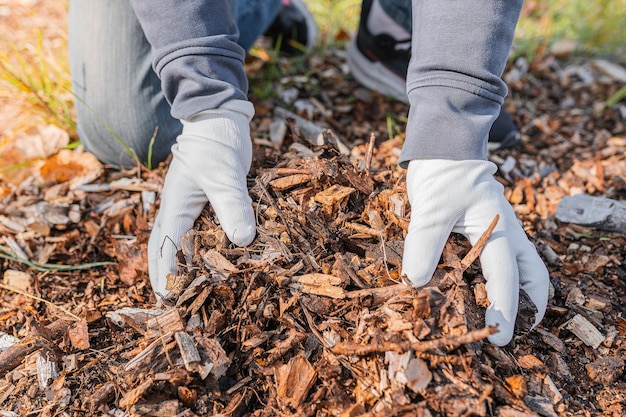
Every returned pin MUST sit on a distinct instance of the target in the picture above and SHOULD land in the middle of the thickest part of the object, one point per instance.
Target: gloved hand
(463, 197)
(212, 157)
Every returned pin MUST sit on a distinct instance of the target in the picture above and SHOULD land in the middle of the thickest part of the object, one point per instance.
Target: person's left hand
(464, 197)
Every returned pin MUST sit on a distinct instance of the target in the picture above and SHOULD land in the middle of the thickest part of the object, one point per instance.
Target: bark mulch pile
(313, 318)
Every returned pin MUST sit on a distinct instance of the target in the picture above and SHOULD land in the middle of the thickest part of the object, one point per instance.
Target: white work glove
(464, 197)
(212, 157)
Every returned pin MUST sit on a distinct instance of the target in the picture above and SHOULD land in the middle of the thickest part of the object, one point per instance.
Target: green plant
(40, 77)
(335, 18)
(593, 27)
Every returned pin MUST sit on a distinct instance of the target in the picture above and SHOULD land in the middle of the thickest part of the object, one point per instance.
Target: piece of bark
(188, 351)
(290, 181)
(328, 291)
(508, 411)
(294, 381)
(214, 357)
(215, 261)
(79, 335)
(309, 130)
(598, 212)
(585, 331)
(131, 397)
(141, 356)
(517, 385)
(605, 370)
(103, 395)
(551, 340)
(169, 321)
(550, 390)
(14, 355)
(47, 368)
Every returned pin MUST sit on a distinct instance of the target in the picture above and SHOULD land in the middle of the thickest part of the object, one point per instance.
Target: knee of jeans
(125, 139)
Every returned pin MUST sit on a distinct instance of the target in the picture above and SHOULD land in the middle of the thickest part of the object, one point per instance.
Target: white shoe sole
(374, 75)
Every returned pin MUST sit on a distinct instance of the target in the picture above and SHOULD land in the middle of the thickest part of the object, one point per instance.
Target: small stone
(541, 405)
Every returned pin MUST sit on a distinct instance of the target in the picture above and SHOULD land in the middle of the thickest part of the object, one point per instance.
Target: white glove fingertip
(243, 236)
(420, 258)
(504, 334)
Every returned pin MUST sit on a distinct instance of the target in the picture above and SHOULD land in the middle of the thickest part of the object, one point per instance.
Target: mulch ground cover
(313, 319)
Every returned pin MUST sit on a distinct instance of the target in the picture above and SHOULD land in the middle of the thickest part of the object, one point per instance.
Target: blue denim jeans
(119, 102)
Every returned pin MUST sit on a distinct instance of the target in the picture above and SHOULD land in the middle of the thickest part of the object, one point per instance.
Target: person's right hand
(212, 158)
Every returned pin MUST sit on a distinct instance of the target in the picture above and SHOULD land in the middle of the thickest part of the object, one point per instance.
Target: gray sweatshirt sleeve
(195, 53)
(459, 51)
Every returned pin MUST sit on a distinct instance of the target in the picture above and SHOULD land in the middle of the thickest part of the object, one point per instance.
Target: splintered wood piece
(294, 381)
(480, 244)
(328, 291)
(131, 397)
(480, 294)
(364, 230)
(162, 409)
(47, 369)
(585, 331)
(333, 195)
(192, 289)
(285, 183)
(451, 342)
(380, 294)
(188, 351)
(293, 339)
(169, 321)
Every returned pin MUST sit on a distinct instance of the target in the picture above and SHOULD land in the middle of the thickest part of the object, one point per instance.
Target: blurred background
(35, 85)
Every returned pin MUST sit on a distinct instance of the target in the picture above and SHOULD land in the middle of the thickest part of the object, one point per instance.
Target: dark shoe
(503, 133)
(294, 29)
(381, 62)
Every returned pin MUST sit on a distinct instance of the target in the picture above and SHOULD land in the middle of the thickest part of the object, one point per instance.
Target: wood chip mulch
(313, 318)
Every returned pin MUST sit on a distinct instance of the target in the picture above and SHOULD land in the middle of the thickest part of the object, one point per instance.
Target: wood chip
(294, 381)
(188, 351)
(168, 322)
(17, 279)
(585, 331)
(79, 335)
